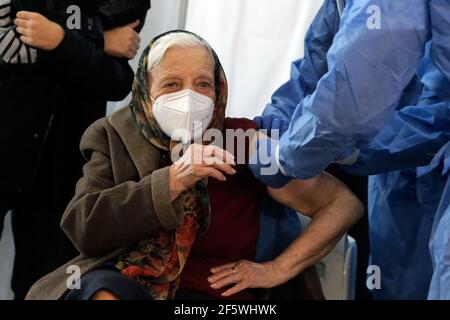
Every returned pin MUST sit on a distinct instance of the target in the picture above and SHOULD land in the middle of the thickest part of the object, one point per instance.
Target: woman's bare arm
(333, 209)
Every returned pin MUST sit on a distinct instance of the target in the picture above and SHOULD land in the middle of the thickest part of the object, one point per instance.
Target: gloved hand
(272, 123)
(264, 164)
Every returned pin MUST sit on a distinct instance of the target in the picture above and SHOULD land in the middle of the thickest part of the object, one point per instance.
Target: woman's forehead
(186, 59)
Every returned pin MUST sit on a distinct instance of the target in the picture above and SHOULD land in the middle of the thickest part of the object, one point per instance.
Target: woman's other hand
(37, 31)
(199, 162)
(245, 274)
(122, 42)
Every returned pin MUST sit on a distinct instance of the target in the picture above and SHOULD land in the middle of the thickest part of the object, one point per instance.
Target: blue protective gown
(439, 246)
(350, 104)
(439, 170)
(403, 203)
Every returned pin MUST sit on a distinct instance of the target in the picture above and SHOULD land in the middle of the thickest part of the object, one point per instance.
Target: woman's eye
(204, 85)
(170, 85)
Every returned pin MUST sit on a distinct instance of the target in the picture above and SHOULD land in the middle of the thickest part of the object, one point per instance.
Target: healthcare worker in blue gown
(352, 82)
(403, 200)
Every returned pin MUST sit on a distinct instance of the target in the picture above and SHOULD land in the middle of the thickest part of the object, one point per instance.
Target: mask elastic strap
(188, 129)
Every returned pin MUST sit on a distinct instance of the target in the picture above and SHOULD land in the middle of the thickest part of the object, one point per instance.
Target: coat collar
(144, 155)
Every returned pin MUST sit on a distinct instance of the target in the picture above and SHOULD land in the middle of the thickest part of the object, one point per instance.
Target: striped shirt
(12, 50)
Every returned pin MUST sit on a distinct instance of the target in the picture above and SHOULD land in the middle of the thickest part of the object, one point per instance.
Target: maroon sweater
(234, 226)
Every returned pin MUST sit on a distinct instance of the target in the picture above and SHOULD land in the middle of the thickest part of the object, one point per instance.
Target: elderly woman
(150, 226)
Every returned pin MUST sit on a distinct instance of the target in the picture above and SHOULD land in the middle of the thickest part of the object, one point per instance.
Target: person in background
(348, 91)
(54, 82)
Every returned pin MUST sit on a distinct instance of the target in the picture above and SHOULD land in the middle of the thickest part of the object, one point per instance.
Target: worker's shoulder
(240, 123)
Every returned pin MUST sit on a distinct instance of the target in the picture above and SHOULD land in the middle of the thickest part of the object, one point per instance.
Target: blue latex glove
(264, 164)
(270, 123)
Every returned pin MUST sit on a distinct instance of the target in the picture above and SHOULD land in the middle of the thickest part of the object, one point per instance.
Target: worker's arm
(417, 131)
(374, 56)
(333, 209)
(411, 139)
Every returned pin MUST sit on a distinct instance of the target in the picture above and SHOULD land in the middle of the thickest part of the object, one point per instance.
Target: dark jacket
(54, 100)
(45, 107)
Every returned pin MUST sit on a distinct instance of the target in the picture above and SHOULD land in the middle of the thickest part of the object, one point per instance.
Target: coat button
(36, 136)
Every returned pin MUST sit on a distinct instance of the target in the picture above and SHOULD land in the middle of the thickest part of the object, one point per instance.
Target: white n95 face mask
(183, 115)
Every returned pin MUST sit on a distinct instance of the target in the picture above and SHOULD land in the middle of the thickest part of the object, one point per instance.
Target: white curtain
(164, 15)
(256, 41)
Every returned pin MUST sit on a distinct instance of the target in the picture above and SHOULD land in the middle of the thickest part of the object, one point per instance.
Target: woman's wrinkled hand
(198, 162)
(245, 274)
(37, 31)
(122, 42)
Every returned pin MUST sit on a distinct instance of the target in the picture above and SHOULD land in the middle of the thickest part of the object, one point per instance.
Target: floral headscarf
(156, 263)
